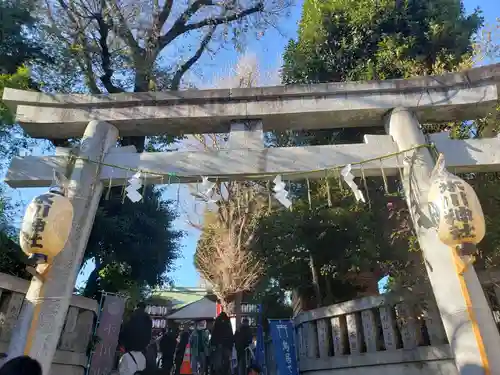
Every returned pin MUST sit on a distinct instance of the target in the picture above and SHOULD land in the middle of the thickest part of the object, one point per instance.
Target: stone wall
(70, 358)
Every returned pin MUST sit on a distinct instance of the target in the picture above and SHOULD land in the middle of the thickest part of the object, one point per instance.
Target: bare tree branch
(79, 39)
(123, 30)
(224, 254)
(165, 12)
(230, 270)
(106, 56)
(225, 19)
(180, 26)
(176, 80)
(86, 67)
(159, 20)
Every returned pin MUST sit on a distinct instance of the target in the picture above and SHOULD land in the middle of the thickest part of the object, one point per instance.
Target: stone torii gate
(399, 105)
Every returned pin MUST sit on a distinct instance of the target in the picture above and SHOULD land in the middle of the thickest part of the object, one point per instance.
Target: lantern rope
(460, 269)
(174, 175)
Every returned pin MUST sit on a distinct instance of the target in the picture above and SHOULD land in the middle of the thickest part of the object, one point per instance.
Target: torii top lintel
(453, 96)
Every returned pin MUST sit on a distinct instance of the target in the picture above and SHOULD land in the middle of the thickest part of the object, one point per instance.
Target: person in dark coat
(242, 340)
(136, 334)
(180, 349)
(168, 342)
(151, 355)
(221, 345)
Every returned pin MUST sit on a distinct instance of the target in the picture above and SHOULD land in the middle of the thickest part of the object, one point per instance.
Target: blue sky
(268, 50)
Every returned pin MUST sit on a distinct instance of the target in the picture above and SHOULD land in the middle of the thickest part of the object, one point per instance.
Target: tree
(20, 44)
(111, 47)
(13, 260)
(20, 47)
(121, 46)
(223, 254)
(345, 40)
(221, 260)
(322, 246)
(132, 244)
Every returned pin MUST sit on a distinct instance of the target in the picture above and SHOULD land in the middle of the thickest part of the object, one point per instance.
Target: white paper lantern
(455, 209)
(46, 226)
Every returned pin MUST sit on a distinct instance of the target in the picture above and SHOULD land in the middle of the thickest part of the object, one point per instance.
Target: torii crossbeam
(398, 105)
(478, 155)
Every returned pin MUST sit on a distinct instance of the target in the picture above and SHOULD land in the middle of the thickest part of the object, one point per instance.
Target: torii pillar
(46, 305)
(466, 315)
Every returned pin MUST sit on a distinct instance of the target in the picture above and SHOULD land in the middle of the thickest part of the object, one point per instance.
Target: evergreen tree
(326, 249)
(19, 47)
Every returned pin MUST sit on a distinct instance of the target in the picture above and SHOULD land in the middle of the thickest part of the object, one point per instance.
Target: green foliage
(12, 138)
(18, 48)
(274, 300)
(347, 40)
(341, 240)
(487, 187)
(132, 244)
(12, 259)
(18, 42)
(20, 79)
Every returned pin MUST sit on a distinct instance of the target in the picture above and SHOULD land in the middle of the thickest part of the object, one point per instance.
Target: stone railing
(377, 334)
(70, 358)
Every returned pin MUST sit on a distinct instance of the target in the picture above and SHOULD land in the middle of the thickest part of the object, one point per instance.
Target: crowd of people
(211, 348)
(25, 365)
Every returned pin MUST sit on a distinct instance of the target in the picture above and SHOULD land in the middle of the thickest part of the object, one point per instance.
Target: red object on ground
(218, 309)
(186, 362)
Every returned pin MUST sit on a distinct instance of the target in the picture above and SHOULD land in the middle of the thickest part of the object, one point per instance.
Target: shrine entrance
(398, 105)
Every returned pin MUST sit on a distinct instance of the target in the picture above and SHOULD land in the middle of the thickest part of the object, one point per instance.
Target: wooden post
(46, 304)
(471, 331)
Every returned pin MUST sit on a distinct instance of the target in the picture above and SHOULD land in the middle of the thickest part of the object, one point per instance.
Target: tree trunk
(238, 298)
(141, 85)
(329, 291)
(315, 280)
(92, 286)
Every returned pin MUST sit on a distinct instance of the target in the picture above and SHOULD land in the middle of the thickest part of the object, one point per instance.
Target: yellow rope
(460, 268)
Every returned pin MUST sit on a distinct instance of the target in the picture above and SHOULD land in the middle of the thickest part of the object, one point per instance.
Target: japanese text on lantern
(43, 205)
(457, 214)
